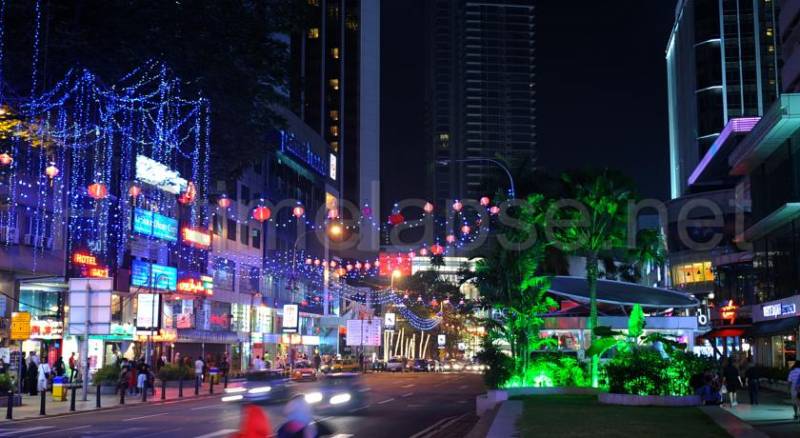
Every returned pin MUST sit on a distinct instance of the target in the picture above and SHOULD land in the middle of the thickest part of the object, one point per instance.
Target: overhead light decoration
(457, 206)
(261, 213)
(98, 191)
(134, 191)
(51, 171)
(189, 195)
(224, 201)
(6, 159)
(428, 208)
(485, 201)
(298, 211)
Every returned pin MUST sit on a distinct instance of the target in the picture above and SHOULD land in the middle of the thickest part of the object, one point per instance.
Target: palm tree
(606, 196)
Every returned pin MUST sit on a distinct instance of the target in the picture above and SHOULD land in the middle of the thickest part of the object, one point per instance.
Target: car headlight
(447, 367)
(232, 398)
(313, 397)
(235, 390)
(260, 390)
(340, 398)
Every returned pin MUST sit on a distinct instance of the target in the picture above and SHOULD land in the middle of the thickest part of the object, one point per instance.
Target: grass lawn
(582, 416)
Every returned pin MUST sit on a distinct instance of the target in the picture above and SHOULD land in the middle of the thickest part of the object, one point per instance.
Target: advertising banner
(290, 318)
(366, 332)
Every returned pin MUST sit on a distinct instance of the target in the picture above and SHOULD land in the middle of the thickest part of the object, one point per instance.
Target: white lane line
(10, 432)
(408, 394)
(385, 401)
(318, 420)
(62, 430)
(218, 433)
(159, 432)
(204, 407)
(341, 435)
(145, 416)
(359, 409)
(410, 385)
(364, 390)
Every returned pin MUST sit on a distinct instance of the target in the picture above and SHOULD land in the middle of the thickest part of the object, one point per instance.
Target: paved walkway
(31, 404)
(772, 416)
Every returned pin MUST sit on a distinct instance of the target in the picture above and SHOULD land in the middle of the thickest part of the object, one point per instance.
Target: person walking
(199, 365)
(122, 380)
(732, 381)
(32, 375)
(317, 361)
(72, 367)
(751, 377)
(43, 376)
(794, 386)
(59, 369)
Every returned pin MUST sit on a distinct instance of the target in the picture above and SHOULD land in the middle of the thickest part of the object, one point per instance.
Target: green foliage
(500, 365)
(550, 370)
(636, 322)
(107, 375)
(645, 371)
(6, 383)
(170, 372)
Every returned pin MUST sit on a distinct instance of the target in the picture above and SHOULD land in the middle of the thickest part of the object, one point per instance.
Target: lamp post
(511, 191)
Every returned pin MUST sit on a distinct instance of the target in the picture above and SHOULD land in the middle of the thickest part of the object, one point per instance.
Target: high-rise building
(722, 64)
(480, 92)
(335, 89)
(789, 33)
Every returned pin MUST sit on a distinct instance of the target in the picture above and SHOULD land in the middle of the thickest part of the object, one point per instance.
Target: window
(334, 115)
(218, 225)
(256, 233)
(334, 83)
(769, 31)
(244, 237)
(335, 52)
(335, 146)
(231, 229)
(334, 130)
(313, 33)
(245, 192)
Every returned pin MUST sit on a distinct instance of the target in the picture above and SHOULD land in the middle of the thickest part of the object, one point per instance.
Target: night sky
(600, 80)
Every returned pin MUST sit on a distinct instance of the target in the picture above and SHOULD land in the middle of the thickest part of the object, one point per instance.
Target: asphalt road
(398, 405)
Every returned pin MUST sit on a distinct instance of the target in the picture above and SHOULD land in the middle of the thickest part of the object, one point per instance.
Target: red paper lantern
(5, 159)
(309, 261)
(485, 201)
(97, 191)
(450, 238)
(411, 254)
(358, 265)
(224, 201)
(261, 213)
(298, 211)
(349, 266)
(51, 171)
(494, 210)
(423, 252)
(189, 195)
(437, 249)
(466, 229)
(367, 266)
(457, 206)
(316, 262)
(134, 191)
(428, 208)
(396, 218)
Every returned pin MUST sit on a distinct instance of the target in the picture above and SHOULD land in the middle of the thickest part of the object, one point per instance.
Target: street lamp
(511, 191)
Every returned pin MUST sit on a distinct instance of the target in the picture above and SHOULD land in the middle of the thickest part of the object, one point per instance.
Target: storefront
(118, 343)
(775, 330)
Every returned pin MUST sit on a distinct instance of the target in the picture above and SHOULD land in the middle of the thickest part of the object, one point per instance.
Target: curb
(735, 426)
(109, 408)
(504, 424)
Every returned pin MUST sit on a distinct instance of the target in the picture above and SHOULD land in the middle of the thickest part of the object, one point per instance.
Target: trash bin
(59, 388)
(213, 374)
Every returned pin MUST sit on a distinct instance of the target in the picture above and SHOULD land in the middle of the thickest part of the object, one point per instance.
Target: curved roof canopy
(621, 293)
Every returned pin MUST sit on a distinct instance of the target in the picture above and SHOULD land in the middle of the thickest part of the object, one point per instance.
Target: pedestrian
(34, 358)
(32, 376)
(122, 380)
(751, 376)
(141, 382)
(199, 366)
(132, 378)
(709, 395)
(732, 381)
(3, 366)
(161, 362)
(317, 360)
(72, 364)
(23, 371)
(224, 366)
(59, 369)
(43, 376)
(794, 388)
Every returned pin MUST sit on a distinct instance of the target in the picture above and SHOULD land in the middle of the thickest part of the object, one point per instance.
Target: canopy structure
(621, 293)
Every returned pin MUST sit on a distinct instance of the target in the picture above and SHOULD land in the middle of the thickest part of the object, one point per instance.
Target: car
(336, 393)
(303, 370)
(266, 386)
(378, 365)
(453, 365)
(420, 365)
(395, 364)
(344, 366)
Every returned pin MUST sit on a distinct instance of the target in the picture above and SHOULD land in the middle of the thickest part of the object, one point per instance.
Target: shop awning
(621, 293)
(725, 332)
(776, 327)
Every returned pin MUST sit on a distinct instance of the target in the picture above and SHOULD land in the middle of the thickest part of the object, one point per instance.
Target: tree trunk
(591, 278)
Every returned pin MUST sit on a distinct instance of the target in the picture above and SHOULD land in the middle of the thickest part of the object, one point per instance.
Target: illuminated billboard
(290, 318)
(155, 225)
(144, 274)
(152, 172)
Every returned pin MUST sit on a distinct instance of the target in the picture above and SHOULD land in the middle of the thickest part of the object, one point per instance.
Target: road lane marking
(62, 430)
(364, 390)
(408, 394)
(11, 432)
(385, 401)
(159, 432)
(430, 428)
(410, 385)
(359, 409)
(204, 407)
(218, 433)
(145, 416)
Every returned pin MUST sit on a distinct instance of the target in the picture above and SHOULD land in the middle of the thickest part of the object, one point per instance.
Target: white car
(395, 364)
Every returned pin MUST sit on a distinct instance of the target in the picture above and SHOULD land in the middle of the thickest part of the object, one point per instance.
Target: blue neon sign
(144, 274)
(156, 225)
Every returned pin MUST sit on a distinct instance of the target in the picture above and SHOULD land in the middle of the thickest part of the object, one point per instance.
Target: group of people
(37, 374)
(135, 377)
(285, 362)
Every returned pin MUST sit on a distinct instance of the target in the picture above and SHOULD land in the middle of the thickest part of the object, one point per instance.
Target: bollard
(97, 399)
(225, 381)
(10, 407)
(122, 395)
(72, 400)
(211, 386)
(41, 403)
(144, 393)
(196, 385)
(163, 390)
(180, 387)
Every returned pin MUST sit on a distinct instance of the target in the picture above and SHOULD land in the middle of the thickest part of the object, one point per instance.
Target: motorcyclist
(299, 420)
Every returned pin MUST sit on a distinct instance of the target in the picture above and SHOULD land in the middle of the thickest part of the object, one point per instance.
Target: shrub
(645, 371)
(500, 366)
(6, 383)
(170, 372)
(550, 370)
(107, 375)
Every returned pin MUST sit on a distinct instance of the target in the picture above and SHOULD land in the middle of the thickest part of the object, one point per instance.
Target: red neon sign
(728, 312)
(193, 286)
(196, 237)
(89, 266)
(84, 259)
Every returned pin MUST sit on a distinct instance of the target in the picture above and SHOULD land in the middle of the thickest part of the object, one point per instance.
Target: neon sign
(196, 237)
(155, 225)
(84, 259)
(202, 286)
(144, 274)
(728, 312)
(89, 266)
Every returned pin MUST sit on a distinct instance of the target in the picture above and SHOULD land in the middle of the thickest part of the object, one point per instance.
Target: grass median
(573, 416)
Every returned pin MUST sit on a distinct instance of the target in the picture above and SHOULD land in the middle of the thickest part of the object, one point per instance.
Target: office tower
(480, 93)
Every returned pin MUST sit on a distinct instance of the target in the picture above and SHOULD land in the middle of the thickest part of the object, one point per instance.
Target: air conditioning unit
(9, 235)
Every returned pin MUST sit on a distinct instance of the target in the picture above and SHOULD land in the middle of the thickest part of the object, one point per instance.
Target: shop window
(335, 53)
(334, 83)
(313, 33)
(244, 237)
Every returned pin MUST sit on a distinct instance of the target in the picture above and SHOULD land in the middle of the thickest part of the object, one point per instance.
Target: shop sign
(291, 339)
(155, 225)
(163, 335)
(144, 274)
(364, 332)
(46, 329)
(154, 173)
(441, 340)
(147, 311)
(20, 326)
(290, 318)
(728, 312)
(88, 266)
(184, 320)
(778, 309)
(389, 321)
(196, 237)
(196, 285)
(118, 332)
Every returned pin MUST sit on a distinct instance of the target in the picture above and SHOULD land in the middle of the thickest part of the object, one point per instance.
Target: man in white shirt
(198, 368)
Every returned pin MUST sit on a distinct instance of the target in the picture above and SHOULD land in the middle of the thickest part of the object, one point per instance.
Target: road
(399, 405)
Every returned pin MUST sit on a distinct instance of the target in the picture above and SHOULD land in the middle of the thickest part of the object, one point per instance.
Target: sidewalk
(773, 415)
(31, 404)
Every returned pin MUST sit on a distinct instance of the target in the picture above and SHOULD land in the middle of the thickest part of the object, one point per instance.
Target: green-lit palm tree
(602, 228)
